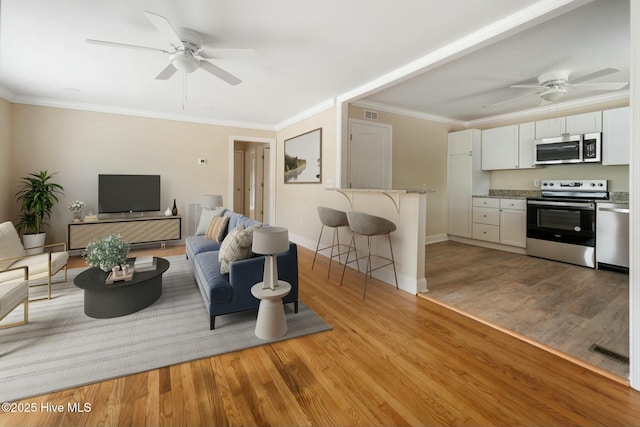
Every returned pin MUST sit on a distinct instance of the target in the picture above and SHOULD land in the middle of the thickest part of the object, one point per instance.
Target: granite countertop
(385, 190)
(614, 196)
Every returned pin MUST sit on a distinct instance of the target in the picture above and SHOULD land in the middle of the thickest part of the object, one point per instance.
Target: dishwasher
(612, 236)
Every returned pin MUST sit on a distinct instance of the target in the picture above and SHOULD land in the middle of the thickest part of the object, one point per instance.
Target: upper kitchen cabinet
(572, 125)
(508, 147)
(584, 123)
(500, 148)
(616, 136)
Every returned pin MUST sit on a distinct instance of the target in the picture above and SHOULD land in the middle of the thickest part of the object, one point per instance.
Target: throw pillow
(236, 246)
(10, 244)
(216, 228)
(205, 219)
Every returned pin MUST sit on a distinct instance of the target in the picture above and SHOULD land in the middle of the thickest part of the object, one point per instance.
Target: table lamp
(210, 201)
(270, 241)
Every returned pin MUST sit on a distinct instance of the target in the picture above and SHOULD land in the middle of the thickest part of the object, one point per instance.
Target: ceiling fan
(186, 54)
(556, 84)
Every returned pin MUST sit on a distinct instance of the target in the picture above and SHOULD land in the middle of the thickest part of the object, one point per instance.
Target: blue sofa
(230, 293)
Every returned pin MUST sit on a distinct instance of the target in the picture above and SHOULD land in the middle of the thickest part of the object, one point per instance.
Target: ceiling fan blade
(528, 87)
(594, 75)
(166, 74)
(506, 101)
(219, 72)
(163, 25)
(600, 86)
(215, 53)
(127, 46)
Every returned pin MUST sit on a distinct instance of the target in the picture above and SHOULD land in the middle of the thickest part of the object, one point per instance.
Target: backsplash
(514, 194)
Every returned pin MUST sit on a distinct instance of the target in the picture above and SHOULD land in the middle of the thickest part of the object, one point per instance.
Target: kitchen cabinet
(500, 148)
(526, 145)
(577, 124)
(508, 147)
(550, 127)
(616, 136)
(465, 178)
(486, 219)
(499, 220)
(513, 222)
(584, 123)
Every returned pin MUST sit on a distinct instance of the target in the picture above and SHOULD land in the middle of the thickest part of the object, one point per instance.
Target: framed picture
(303, 158)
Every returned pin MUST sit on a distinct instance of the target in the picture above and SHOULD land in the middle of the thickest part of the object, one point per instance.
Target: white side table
(271, 323)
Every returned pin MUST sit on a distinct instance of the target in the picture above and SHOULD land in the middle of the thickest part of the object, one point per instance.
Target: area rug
(61, 347)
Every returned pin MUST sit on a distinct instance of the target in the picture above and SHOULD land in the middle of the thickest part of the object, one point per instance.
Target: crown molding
(6, 94)
(111, 109)
(408, 113)
(310, 112)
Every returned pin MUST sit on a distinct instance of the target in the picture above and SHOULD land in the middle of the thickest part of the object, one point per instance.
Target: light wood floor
(564, 306)
(394, 359)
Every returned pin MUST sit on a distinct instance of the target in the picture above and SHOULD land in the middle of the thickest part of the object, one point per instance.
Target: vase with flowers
(107, 252)
(76, 208)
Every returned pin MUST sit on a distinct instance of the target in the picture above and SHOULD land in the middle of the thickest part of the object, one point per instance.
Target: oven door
(562, 221)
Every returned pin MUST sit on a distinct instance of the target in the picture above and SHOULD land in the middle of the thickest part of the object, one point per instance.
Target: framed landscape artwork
(303, 158)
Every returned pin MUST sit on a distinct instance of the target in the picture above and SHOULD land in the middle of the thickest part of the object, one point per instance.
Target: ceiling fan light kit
(185, 61)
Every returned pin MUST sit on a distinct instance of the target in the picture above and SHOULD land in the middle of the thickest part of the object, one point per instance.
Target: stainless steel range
(561, 225)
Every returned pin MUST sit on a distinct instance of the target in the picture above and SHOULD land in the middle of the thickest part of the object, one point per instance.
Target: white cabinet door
(526, 147)
(616, 136)
(550, 128)
(584, 123)
(513, 227)
(500, 148)
(459, 189)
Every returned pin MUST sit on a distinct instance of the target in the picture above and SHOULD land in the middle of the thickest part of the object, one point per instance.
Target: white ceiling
(307, 52)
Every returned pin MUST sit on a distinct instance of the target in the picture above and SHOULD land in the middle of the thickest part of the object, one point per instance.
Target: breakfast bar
(406, 208)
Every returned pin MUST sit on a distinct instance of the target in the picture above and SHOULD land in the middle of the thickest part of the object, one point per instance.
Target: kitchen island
(407, 209)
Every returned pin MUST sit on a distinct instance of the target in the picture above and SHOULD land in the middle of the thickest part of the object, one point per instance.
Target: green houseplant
(106, 252)
(37, 196)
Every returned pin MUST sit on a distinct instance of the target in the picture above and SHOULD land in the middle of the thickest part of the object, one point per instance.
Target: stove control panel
(574, 185)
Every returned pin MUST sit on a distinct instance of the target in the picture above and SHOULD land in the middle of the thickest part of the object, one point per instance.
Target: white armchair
(41, 266)
(13, 292)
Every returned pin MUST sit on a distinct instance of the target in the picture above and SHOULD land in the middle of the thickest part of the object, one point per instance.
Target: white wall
(6, 195)
(79, 145)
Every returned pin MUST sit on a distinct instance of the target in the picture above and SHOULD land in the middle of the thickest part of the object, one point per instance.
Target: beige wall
(419, 158)
(6, 195)
(296, 203)
(79, 145)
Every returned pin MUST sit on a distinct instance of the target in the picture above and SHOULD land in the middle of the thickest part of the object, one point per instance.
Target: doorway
(369, 153)
(251, 184)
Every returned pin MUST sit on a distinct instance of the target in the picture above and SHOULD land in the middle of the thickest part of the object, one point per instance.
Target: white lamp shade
(270, 240)
(210, 201)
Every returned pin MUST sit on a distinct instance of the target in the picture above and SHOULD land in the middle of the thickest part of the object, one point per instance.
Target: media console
(133, 230)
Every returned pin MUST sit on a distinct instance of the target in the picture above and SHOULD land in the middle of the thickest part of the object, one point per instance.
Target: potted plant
(37, 195)
(106, 252)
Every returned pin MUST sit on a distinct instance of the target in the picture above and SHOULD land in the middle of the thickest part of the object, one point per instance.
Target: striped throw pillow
(216, 228)
(236, 246)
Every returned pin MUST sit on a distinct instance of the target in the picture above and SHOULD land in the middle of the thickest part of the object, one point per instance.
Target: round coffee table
(102, 301)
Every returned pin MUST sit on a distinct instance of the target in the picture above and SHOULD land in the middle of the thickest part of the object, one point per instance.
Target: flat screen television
(128, 193)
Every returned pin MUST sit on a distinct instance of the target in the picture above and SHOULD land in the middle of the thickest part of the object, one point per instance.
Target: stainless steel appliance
(561, 224)
(612, 230)
(569, 149)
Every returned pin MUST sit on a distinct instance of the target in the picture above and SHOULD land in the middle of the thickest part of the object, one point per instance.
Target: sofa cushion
(10, 244)
(216, 284)
(236, 219)
(217, 228)
(205, 219)
(236, 246)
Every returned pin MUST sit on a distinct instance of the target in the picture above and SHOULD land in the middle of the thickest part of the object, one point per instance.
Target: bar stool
(364, 224)
(335, 219)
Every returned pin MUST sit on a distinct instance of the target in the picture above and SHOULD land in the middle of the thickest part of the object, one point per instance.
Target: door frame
(270, 218)
(386, 126)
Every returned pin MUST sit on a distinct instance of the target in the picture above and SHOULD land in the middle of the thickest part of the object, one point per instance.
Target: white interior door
(369, 155)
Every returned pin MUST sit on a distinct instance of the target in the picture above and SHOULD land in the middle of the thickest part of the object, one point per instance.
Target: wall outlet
(536, 183)
(202, 161)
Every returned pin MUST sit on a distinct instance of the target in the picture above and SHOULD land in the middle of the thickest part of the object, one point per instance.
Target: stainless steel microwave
(569, 149)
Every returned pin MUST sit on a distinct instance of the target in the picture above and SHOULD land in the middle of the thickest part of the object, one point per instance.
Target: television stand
(143, 229)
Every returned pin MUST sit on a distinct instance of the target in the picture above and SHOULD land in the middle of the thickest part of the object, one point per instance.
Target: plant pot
(33, 241)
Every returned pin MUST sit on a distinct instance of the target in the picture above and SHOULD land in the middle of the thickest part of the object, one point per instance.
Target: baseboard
(490, 245)
(435, 238)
